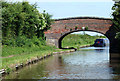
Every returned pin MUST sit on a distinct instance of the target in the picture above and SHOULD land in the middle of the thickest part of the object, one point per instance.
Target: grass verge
(18, 56)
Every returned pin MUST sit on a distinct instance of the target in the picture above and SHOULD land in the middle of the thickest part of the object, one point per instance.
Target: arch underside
(61, 38)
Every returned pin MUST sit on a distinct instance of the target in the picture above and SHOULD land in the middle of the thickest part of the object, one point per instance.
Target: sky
(77, 9)
(89, 33)
(32, 1)
(74, 8)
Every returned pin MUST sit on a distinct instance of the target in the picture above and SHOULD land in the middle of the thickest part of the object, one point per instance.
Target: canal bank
(36, 59)
(88, 63)
(33, 60)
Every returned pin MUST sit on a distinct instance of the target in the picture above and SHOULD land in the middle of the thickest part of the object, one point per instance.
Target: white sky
(33, 1)
(89, 33)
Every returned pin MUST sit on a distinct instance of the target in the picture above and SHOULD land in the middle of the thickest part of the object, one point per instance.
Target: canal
(87, 63)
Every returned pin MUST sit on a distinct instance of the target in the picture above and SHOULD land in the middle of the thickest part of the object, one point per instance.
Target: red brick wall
(64, 25)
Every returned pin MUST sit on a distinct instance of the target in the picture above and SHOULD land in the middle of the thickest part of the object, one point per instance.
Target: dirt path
(9, 56)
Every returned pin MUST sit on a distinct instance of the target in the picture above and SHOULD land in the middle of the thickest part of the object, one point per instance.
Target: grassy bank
(9, 51)
(21, 49)
(77, 40)
(16, 56)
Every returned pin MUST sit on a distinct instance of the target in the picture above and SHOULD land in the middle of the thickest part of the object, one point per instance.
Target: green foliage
(8, 70)
(22, 41)
(86, 28)
(116, 18)
(21, 22)
(17, 55)
(117, 35)
(76, 27)
(23, 28)
(31, 48)
(77, 40)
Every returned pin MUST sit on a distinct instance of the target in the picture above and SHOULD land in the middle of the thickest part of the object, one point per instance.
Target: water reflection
(88, 63)
(60, 59)
(115, 64)
(99, 50)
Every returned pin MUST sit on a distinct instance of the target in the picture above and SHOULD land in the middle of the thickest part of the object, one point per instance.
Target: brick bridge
(62, 27)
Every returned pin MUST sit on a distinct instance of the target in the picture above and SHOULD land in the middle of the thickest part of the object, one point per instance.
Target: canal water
(87, 63)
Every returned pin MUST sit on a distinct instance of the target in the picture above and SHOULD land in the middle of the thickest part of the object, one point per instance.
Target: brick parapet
(65, 25)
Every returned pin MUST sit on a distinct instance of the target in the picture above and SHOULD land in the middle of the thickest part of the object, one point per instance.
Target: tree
(45, 24)
(23, 19)
(116, 18)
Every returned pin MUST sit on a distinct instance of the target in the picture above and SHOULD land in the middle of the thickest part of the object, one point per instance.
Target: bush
(23, 41)
(23, 25)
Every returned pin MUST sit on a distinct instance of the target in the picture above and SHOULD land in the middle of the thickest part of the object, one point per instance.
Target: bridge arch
(62, 37)
(62, 27)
